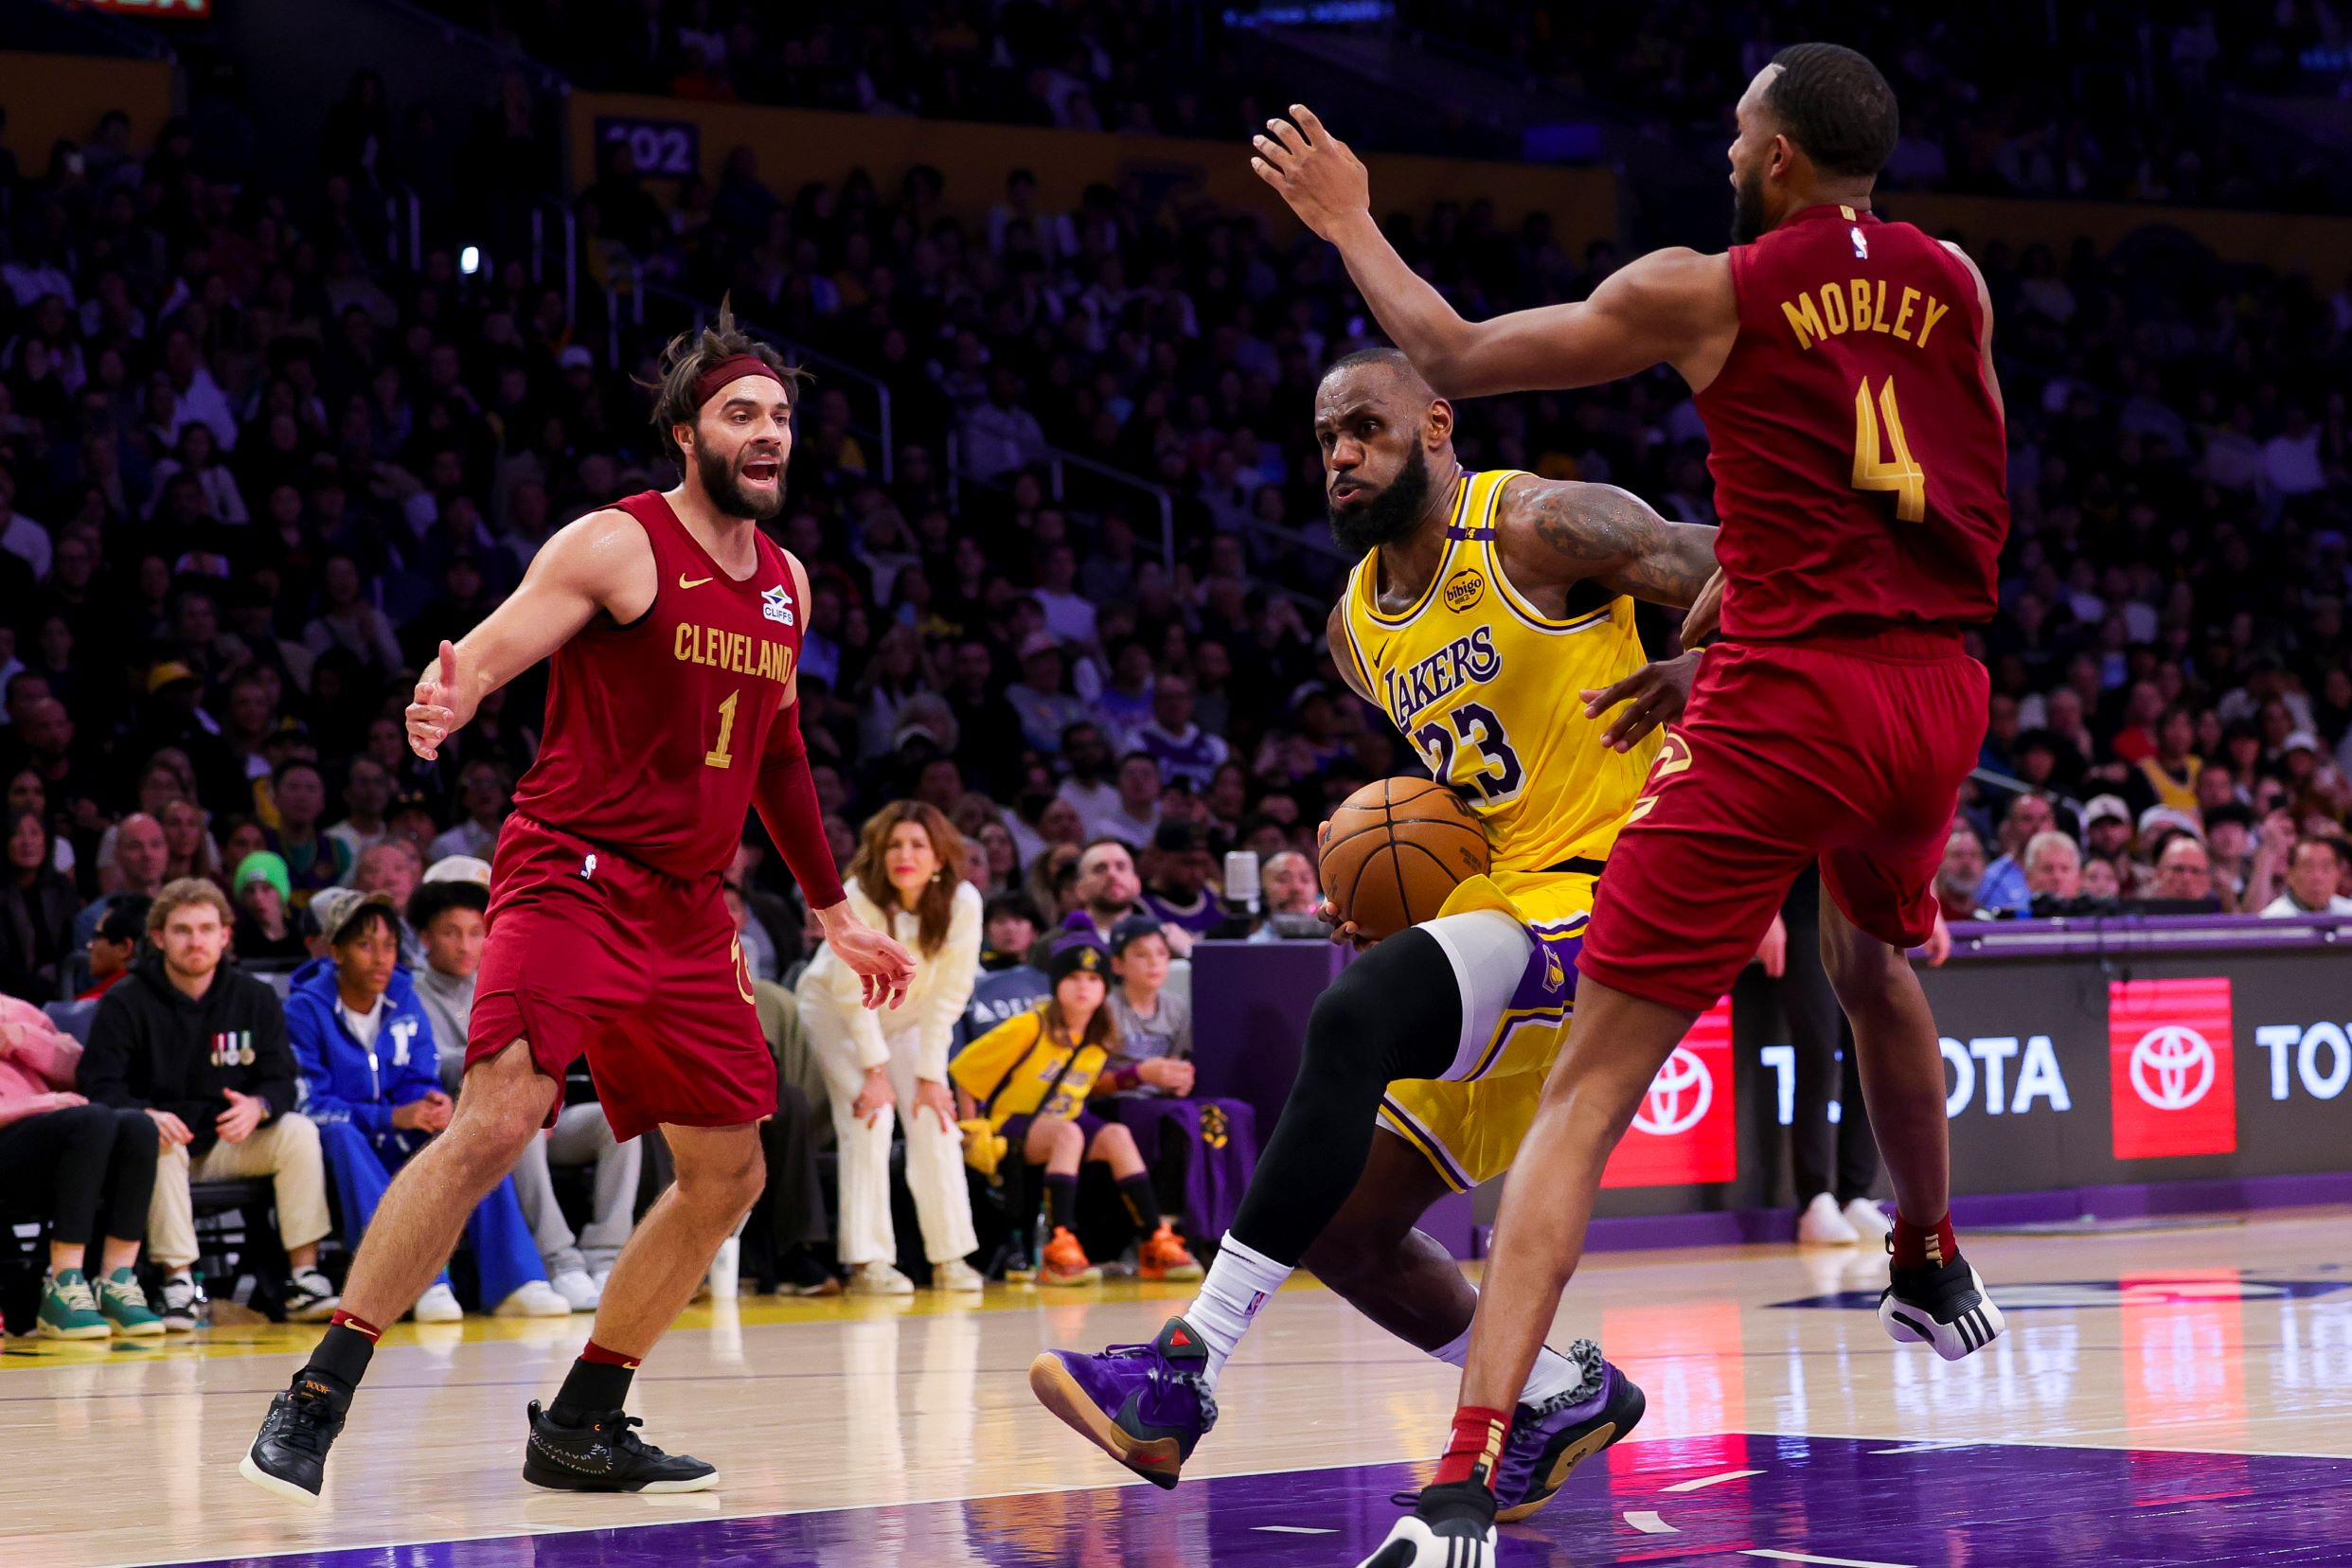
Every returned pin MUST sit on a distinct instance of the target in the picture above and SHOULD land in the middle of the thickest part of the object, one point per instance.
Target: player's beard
(719, 482)
(1748, 210)
(1389, 515)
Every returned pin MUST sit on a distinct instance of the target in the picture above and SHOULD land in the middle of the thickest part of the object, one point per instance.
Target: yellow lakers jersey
(1486, 688)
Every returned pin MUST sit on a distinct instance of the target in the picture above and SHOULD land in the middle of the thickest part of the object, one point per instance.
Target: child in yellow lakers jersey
(1030, 1080)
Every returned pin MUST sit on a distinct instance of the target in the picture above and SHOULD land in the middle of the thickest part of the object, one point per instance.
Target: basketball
(1395, 850)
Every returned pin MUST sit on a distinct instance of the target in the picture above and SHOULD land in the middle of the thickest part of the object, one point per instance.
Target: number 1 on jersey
(1873, 469)
(719, 757)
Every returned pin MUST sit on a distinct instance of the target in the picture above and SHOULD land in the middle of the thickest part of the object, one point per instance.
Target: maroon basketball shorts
(1851, 751)
(592, 951)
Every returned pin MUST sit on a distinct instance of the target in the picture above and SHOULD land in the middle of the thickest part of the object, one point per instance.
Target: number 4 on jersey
(1874, 469)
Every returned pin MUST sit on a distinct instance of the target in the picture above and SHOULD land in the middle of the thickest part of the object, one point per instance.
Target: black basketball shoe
(1944, 1305)
(289, 1455)
(607, 1456)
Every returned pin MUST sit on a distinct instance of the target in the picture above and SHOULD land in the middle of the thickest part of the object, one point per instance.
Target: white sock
(1554, 1374)
(1238, 1283)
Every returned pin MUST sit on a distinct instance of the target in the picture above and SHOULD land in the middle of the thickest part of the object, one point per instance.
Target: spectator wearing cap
(1136, 817)
(1180, 892)
(1030, 1080)
(141, 860)
(266, 925)
(89, 1168)
(886, 1070)
(313, 861)
(1172, 738)
(449, 915)
(2314, 868)
(2107, 834)
(2004, 887)
(2229, 847)
(1041, 698)
(114, 943)
(202, 1050)
(366, 1057)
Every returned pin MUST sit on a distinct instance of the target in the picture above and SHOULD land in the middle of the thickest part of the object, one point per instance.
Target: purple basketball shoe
(1550, 1440)
(1144, 1405)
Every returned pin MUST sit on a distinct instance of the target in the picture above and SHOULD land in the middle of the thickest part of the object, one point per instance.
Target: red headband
(728, 369)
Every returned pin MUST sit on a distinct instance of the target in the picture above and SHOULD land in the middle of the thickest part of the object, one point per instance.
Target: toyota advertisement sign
(2170, 1067)
(1685, 1132)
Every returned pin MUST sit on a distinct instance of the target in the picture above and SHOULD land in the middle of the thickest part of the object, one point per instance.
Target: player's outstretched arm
(601, 562)
(1558, 532)
(1672, 307)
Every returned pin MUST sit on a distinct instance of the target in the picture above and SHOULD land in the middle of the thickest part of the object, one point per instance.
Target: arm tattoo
(1603, 534)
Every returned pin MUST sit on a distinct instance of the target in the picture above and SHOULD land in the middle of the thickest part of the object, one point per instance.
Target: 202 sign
(660, 149)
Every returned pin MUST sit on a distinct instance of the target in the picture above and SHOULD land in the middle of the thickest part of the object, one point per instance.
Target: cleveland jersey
(1860, 462)
(1485, 687)
(656, 730)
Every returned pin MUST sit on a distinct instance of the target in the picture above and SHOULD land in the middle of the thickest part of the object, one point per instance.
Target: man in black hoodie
(202, 1049)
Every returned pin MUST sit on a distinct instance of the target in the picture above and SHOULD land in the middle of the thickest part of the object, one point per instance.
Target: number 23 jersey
(1860, 467)
(656, 730)
(1486, 688)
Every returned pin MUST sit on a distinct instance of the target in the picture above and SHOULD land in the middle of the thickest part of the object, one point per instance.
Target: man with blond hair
(202, 1049)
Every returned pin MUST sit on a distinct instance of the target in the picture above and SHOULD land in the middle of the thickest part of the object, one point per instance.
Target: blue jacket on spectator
(2004, 888)
(343, 1081)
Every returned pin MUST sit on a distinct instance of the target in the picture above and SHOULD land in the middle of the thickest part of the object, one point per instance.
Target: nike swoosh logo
(686, 582)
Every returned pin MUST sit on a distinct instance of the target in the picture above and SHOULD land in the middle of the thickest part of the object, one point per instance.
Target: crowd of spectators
(250, 476)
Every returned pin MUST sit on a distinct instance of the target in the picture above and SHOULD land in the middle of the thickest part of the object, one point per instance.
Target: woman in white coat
(887, 1069)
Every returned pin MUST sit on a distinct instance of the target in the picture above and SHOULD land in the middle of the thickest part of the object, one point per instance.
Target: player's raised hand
(885, 968)
(437, 710)
(1323, 182)
(1342, 930)
(1651, 696)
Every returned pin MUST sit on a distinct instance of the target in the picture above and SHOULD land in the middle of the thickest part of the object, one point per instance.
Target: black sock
(590, 1390)
(342, 1359)
(1061, 1201)
(1142, 1204)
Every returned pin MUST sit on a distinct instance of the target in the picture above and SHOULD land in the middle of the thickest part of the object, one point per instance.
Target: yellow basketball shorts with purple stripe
(1513, 939)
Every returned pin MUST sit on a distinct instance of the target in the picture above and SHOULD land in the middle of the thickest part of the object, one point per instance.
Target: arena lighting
(470, 260)
(1319, 14)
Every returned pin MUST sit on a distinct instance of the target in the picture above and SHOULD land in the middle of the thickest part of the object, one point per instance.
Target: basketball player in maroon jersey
(1843, 367)
(675, 628)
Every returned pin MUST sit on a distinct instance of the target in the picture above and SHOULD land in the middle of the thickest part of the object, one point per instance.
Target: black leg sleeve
(1393, 1013)
(130, 1177)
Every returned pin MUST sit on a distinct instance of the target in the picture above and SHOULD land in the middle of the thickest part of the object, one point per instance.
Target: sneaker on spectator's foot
(1144, 1405)
(1162, 1257)
(957, 1274)
(1065, 1261)
(439, 1304)
(798, 1274)
(881, 1279)
(186, 1309)
(607, 1456)
(289, 1455)
(310, 1297)
(124, 1305)
(69, 1308)
(1823, 1224)
(575, 1286)
(532, 1299)
(1869, 1221)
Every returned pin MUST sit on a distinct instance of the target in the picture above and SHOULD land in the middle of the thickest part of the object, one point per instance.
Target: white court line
(1291, 1529)
(1919, 1448)
(1710, 1481)
(1827, 1561)
(1647, 1522)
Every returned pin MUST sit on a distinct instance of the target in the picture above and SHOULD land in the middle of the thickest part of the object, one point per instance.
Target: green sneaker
(124, 1305)
(69, 1310)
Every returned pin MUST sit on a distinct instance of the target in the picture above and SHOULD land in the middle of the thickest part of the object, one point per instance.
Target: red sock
(357, 1326)
(596, 1355)
(1928, 1247)
(1476, 1446)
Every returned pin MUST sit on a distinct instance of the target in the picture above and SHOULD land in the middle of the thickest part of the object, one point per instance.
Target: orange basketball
(1395, 850)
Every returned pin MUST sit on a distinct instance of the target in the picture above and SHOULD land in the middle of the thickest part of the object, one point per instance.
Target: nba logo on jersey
(588, 869)
(1861, 245)
(775, 606)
